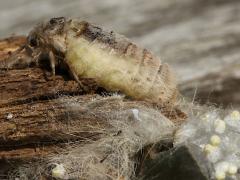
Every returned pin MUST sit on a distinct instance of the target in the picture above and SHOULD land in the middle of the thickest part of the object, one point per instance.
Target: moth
(113, 61)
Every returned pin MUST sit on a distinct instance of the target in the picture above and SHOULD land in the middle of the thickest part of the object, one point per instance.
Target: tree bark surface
(37, 115)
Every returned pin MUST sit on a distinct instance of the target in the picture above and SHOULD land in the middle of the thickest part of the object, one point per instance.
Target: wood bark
(36, 117)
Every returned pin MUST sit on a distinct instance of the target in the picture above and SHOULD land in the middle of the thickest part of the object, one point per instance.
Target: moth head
(55, 26)
(49, 35)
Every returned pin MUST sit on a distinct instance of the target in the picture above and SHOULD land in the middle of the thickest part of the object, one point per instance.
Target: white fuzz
(184, 134)
(131, 128)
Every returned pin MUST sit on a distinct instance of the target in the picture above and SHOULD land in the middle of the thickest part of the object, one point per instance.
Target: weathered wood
(18, 86)
(28, 154)
(35, 116)
(47, 121)
(9, 45)
(33, 121)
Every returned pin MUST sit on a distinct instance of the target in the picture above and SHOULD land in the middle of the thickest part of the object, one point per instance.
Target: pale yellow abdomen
(116, 72)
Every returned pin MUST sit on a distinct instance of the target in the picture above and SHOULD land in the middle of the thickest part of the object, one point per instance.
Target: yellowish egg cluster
(219, 139)
(223, 169)
(213, 149)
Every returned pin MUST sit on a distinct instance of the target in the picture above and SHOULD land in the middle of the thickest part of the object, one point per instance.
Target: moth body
(113, 61)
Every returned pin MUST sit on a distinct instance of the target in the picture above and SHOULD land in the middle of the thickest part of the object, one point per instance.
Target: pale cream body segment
(115, 72)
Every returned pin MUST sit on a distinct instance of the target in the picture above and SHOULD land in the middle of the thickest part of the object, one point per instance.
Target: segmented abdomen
(119, 64)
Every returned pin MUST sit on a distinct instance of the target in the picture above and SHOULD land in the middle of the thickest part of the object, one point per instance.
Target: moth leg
(52, 62)
(34, 53)
(36, 59)
(76, 78)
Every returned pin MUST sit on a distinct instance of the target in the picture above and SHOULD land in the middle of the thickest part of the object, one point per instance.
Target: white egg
(209, 148)
(215, 140)
(58, 171)
(219, 126)
(235, 115)
(214, 154)
(232, 169)
(220, 175)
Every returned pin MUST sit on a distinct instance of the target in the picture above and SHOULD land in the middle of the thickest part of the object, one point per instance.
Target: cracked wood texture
(199, 38)
(37, 114)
